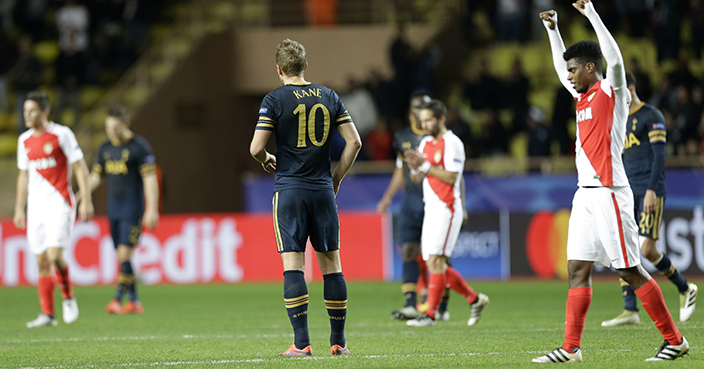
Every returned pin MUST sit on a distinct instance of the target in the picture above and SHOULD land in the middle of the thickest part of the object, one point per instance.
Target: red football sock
(64, 283)
(436, 288)
(45, 287)
(457, 283)
(578, 301)
(422, 275)
(650, 296)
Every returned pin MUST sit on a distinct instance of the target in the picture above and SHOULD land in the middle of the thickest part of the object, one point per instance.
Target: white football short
(441, 227)
(602, 227)
(49, 226)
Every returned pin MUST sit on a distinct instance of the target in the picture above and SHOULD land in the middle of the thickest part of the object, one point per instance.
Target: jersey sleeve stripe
(265, 127)
(657, 132)
(147, 168)
(261, 117)
(658, 139)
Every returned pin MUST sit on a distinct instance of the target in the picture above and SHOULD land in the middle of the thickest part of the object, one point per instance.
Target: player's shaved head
(291, 57)
(584, 52)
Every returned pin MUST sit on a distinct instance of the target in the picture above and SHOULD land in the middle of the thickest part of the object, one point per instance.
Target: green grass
(223, 326)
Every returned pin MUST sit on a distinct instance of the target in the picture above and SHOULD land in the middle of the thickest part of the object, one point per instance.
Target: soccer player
(127, 161)
(46, 154)
(300, 114)
(602, 226)
(644, 160)
(438, 163)
(410, 219)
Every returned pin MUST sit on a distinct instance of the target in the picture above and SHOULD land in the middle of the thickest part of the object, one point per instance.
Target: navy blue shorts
(649, 224)
(300, 214)
(126, 231)
(410, 219)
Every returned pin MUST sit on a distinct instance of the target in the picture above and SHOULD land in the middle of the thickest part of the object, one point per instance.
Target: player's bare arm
(257, 149)
(20, 217)
(151, 199)
(353, 143)
(396, 183)
(85, 207)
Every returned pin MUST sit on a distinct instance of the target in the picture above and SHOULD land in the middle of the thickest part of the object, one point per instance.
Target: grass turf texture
(223, 326)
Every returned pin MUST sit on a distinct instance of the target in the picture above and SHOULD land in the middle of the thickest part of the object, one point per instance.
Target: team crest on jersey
(591, 96)
(438, 156)
(125, 154)
(48, 148)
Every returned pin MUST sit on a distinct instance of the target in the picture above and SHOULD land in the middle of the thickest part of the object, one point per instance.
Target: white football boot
(70, 309)
(671, 352)
(475, 311)
(42, 320)
(625, 318)
(688, 302)
(559, 355)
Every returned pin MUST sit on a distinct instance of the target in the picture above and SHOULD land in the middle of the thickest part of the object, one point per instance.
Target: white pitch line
(354, 357)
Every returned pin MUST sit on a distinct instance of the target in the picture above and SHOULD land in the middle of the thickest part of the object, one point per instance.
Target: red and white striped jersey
(601, 131)
(47, 158)
(447, 153)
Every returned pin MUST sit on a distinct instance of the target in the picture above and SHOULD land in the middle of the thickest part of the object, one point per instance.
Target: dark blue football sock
(409, 279)
(296, 301)
(335, 295)
(666, 268)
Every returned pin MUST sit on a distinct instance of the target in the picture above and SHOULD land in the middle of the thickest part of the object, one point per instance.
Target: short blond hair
(291, 57)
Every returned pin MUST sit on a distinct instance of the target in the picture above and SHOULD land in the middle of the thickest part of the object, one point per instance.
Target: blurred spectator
(359, 102)
(663, 97)
(461, 129)
(378, 143)
(7, 57)
(72, 22)
(31, 15)
(69, 77)
(25, 76)
(538, 135)
(494, 135)
(425, 66)
(561, 116)
(514, 94)
(536, 25)
(696, 21)
(482, 88)
(635, 14)
(643, 84)
(136, 16)
(667, 19)
(7, 8)
(511, 20)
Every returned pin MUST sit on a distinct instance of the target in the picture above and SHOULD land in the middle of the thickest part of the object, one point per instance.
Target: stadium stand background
(195, 78)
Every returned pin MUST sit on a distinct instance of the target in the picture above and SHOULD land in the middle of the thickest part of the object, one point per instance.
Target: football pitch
(245, 325)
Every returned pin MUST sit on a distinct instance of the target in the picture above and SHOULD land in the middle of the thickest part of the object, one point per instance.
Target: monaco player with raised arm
(602, 228)
(46, 154)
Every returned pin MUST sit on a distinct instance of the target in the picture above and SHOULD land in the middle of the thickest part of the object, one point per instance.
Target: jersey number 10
(301, 112)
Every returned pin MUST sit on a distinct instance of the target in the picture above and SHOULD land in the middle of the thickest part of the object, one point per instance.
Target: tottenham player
(602, 227)
(301, 115)
(46, 153)
(644, 160)
(127, 161)
(438, 163)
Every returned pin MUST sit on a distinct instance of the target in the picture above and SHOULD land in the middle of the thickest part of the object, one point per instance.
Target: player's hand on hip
(649, 202)
(19, 219)
(85, 211)
(579, 5)
(549, 18)
(150, 219)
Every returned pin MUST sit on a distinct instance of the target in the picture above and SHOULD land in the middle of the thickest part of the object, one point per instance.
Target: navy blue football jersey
(408, 138)
(645, 127)
(302, 117)
(123, 166)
